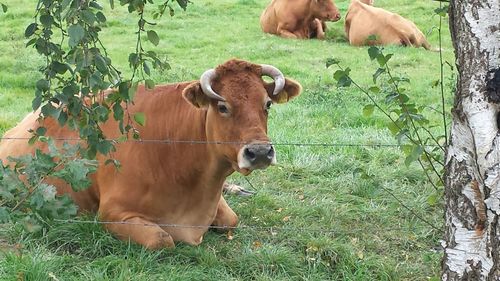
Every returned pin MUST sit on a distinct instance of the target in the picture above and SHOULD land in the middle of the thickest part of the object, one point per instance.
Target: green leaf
(374, 89)
(442, 11)
(30, 30)
(101, 64)
(382, 60)
(377, 74)
(4, 7)
(146, 68)
(43, 85)
(112, 4)
(342, 77)
(49, 110)
(414, 155)
(153, 37)
(117, 111)
(60, 68)
(123, 90)
(373, 52)
(133, 59)
(41, 131)
(63, 118)
(368, 110)
(32, 140)
(95, 5)
(183, 3)
(76, 173)
(331, 61)
(88, 17)
(104, 147)
(76, 34)
(433, 199)
(393, 127)
(150, 84)
(46, 20)
(140, 118)
(338, 74)
(100, 17)
(37, 101)
(65, 4)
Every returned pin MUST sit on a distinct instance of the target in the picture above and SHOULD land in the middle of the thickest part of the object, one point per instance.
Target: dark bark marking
(493, 245)
(493, 86)
(480, 209)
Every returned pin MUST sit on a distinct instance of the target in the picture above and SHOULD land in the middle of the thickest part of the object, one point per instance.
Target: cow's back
(15, 141)
(157, 105)
(268, 18)
(364, 20)
(294, 14)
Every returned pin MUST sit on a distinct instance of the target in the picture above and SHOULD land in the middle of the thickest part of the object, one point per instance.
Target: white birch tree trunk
(472, 192)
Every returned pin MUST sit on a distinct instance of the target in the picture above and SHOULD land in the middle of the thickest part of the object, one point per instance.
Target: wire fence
(200, 142)
(227, 227)
(262, 228)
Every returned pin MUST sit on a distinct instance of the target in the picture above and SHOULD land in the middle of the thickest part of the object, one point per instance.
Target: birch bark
(472, 192)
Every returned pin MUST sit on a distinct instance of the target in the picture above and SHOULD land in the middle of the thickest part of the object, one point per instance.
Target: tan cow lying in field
(225, 113)
(363, 20)
(298, 18)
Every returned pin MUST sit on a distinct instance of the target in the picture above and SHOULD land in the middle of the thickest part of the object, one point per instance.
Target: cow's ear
(195, 96)
(290, 91)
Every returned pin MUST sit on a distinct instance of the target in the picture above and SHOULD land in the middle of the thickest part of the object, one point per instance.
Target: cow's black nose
(249, 154)
(259, 154)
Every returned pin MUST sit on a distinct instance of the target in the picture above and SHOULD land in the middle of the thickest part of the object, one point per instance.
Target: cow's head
(325, 10)
(237, 101)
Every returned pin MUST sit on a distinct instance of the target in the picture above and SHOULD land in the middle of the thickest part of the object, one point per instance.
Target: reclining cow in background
(224, 114)
(363, 20)
(298, 18)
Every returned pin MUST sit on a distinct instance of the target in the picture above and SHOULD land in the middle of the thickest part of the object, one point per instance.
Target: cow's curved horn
(206, 81)
(273, 72)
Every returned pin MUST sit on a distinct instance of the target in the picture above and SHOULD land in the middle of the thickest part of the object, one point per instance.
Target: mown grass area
(328, 222)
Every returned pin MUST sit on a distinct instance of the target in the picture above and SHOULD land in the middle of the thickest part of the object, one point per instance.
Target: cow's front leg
(225, 218)
(319, 27)
(284, 31)
(141, 231)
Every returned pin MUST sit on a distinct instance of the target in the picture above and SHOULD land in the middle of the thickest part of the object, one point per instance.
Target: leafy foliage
(80, 89)
(78, 68)
(406, 120)
(27, 196)
(4, 8)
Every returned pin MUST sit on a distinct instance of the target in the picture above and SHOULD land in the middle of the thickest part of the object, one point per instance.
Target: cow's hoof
(244, 192)
(230, 188)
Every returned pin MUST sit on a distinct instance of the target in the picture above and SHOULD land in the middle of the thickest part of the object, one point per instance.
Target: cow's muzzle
(334, 17)
(256, 156)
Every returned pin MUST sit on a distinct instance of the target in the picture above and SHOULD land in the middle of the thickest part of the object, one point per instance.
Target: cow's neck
(188, 153)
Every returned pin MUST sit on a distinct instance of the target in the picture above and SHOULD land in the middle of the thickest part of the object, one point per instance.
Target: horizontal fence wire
(223, 227)
(197, 142)
(194, 142)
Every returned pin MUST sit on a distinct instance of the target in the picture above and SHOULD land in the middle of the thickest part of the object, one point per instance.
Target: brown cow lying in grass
(363, 20)
(301, 19)
(159, 185)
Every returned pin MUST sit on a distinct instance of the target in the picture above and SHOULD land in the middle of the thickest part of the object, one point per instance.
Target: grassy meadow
(328, 222)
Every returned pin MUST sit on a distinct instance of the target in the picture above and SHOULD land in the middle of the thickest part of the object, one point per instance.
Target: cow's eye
(222, 108)
(268, 104)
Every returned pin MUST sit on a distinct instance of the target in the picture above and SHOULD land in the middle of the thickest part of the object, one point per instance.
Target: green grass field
(328, 223)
